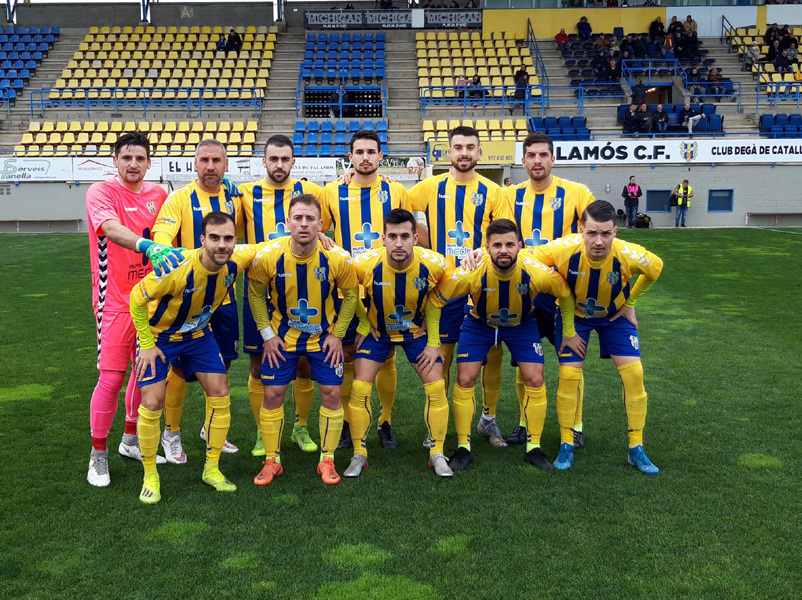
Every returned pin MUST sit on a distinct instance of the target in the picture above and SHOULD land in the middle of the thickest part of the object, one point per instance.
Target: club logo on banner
(689, 150)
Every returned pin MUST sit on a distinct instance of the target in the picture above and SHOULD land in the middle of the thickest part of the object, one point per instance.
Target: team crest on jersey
(477, 199)
(338, 370)
(522, 289)
(633, 339)
(230, 279)
(556, 203)
(321, 273)
(230, 207)
(689, 150)
(419, 283)
(151, 207)
(613, 277)
(383, 196)
(295, 194)
(538, 348)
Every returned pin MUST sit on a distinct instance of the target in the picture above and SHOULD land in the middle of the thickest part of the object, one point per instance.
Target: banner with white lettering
(36, 169)
(392, 19)
(319, 170)
(95, 168)
(667, 151)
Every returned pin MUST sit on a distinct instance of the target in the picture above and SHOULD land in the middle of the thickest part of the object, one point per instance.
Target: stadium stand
(22, 51)
(331, 138)
(489, 129)
(169, 138)
(781, 125)
(713, 122)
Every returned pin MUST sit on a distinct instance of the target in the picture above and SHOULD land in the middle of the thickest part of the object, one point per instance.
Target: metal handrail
(779, 91)
(145, 96)
(487, 98)
(540, 65)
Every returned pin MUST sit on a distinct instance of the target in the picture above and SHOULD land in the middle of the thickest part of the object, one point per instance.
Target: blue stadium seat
(325, 138)
(339, 150)
(311, 37)
(791, 131)
(384, 149)
(380, 37)
(382, 137)
(564, 123)
(577, 122)
(781, 119)
(795, 119)
(313, 126)
(550, 123)
(339, 137)
(340, 126)
(325, 150)
(368, 126)
(776, 131)
(297, 138)
(297, 149)
(354, 126)
(326, 126)
(536, 124)
(554, 134)
(381, 126)
(310, 151)
(716, 123)
(311, 138)
(708, 109)
(766, 122)
(582, 134)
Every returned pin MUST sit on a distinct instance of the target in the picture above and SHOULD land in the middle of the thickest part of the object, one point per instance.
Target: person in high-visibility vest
(683, 193)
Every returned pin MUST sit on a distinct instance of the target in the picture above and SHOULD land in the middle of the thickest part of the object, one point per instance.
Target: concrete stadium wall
(112, 14)
(708, 18)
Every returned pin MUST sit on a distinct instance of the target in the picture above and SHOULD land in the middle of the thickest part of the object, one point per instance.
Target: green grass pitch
(720, 336)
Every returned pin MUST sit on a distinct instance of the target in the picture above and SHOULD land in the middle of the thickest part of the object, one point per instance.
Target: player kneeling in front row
(598, 268)
(303, 279)
(397, 280)
(172, 315)
(502, 289)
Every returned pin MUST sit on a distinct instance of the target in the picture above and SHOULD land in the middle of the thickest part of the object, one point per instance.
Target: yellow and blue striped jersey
(357, 213)
(600, 287)
(181, 303)
(397, 299)
(265, 207)
(501, 300)
(457, 214)
(553, 213)
(182, 213)
(302, 290)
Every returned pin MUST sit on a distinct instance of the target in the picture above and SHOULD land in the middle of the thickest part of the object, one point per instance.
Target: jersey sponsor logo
(538, 348)
(366, 237)
(198, 321)
(268, 376)
(166, 220)
(321, 273)
(383, 196)
(477, 199)
(591, 309)
(504, 318)
(363, 351)
(633, 339)
(488, 289)
(229, 279)
(200, 208)
(382, 283)
(463, 355)
(280, 232)
(458, 246)
(130, 208)
(576, 272)
(284, 275)
(400, 317)
(151, 208)
(613, 277)
(420, 283)
(191, 290)
(444, 196)
(520, 203)
(535, 240)
(522, 289)
(555, 203)
(302, 313)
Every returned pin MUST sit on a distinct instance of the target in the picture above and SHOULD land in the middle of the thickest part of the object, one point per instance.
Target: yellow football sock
(567, 397)
(303, 392)
(386, 385)
(635, 400)
(448, 359)
(345, 389)
(436, 414)
(271, 424)
(331, 426)
(256, 395)
(491, 381)
(579, 399)
(218, 420)
(464, 408)
(520, 391)
(174, 395)
(535, 409)
(360, 415)
(148, 430)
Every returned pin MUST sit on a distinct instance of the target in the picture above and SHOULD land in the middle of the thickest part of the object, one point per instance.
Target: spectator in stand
(222, 44)
(563, 41)
(615, 47)
(625, 55)
(613, 71)
(692, 45)
(660, 119)
(771, 34)
(521, 79)
(462, 86)
(644, 119)
(681, 50)
(471, 4)
(624, 4)
(442, 4)
(793, 53)
(774, 51)
(787, 40)
(784, 30)
(475, 89)
(715, 85)
(689, 117)
(630, 195)
(657, 32)
(584, 29)
(638, 92)
(695, 84)
(385, 4)
(781, 63)
(641, 46)
(752, 56)
(349, 6)
(602, 43)
(599, 64)
(690, 25)
(612, 3)
(627, 45)
(675, 26)
(338, 102)
(234, 42)
(649, 3)
(453, 4)
(631, 120)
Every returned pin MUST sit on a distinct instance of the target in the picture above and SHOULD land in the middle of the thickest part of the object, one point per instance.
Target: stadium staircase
(403, 107)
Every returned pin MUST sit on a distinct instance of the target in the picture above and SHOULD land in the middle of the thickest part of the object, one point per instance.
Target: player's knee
(534, 381)
(466, 380)
(330, 397)
(274, 397)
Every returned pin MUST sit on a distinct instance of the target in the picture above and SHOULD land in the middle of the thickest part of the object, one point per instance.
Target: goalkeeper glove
(231, 188)
(163, 258)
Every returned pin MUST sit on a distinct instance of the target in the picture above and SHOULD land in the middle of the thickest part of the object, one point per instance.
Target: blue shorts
(225, 327)
(321, 370)
(451, 319)
(616, 338)
(379, 350)
(252, 342)
(477, 338)
(545, 312)
(198, 355)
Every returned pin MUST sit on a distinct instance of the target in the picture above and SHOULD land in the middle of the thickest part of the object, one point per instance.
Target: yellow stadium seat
(235, 138)
(55, 138)
(221, 137)
(27, 138)
(41, 138)
(83, 138)
(442, 125)
(428, 125)
(494, 125)
(453, 123)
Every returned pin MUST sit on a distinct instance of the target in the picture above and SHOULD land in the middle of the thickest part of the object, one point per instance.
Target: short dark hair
(632, 177)
(499, 227)
(135, 138)
(600, 211)
(279, 141)
(217, 217)
(397, 216)
(307, 199)
(463, 130)
(366, 135)
(538, 138)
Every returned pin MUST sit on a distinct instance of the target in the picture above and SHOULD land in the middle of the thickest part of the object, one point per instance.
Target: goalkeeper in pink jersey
(121, 211)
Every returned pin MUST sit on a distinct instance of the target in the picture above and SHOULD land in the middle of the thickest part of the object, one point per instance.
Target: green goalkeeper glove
(163, 258)
(231, 188)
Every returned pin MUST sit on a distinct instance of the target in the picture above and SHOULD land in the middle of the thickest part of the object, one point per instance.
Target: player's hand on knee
(147, 360)
(272, 352)
(628, 312)
(576, 344)
(333, 347)
(428, 358)
(471, 260)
